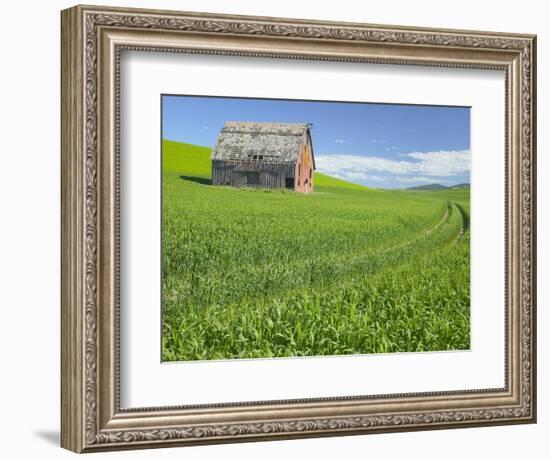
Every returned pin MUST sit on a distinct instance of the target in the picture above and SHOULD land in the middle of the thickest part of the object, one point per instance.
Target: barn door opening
(289, 183)
(252, 179)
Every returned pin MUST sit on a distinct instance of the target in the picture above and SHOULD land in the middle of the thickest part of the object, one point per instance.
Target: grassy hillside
(346, 269)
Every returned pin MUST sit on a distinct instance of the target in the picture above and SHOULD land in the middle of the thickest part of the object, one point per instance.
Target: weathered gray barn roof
(274, 142)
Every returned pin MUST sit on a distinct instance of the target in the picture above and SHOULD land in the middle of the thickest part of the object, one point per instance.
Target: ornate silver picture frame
(93, 39)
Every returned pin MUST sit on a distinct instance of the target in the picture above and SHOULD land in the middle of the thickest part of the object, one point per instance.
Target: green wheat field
(254, 273)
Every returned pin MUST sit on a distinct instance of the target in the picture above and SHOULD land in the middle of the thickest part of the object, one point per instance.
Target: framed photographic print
(278, 228)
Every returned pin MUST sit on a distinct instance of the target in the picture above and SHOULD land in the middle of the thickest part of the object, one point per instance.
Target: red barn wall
(304, 169)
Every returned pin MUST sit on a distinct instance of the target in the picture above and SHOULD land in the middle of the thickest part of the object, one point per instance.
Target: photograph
(307, 228)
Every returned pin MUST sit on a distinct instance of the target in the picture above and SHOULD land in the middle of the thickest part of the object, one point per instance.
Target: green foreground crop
(346, 269)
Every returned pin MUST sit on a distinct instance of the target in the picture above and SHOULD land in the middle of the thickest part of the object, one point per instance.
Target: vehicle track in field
(411, 243)
(361, 260)
(348, 257)
(465, 222)
(407, 243)
(426, 234)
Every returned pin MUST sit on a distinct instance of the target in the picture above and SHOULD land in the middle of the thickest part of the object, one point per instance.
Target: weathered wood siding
(271, 175)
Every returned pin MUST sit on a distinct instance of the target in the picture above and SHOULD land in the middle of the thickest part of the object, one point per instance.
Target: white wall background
(29, 226)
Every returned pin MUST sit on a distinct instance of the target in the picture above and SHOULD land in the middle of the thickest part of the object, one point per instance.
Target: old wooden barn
(264, 155)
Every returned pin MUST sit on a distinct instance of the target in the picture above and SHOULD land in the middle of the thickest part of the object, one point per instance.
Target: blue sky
(378, 145)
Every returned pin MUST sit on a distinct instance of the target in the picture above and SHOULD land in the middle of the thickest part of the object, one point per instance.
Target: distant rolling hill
(460, 186)
(428, 187)
(437, 186)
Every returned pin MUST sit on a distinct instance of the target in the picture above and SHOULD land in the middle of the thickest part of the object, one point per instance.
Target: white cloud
(355, 175)
(377, 178)
(339, 140)
(430, 164)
